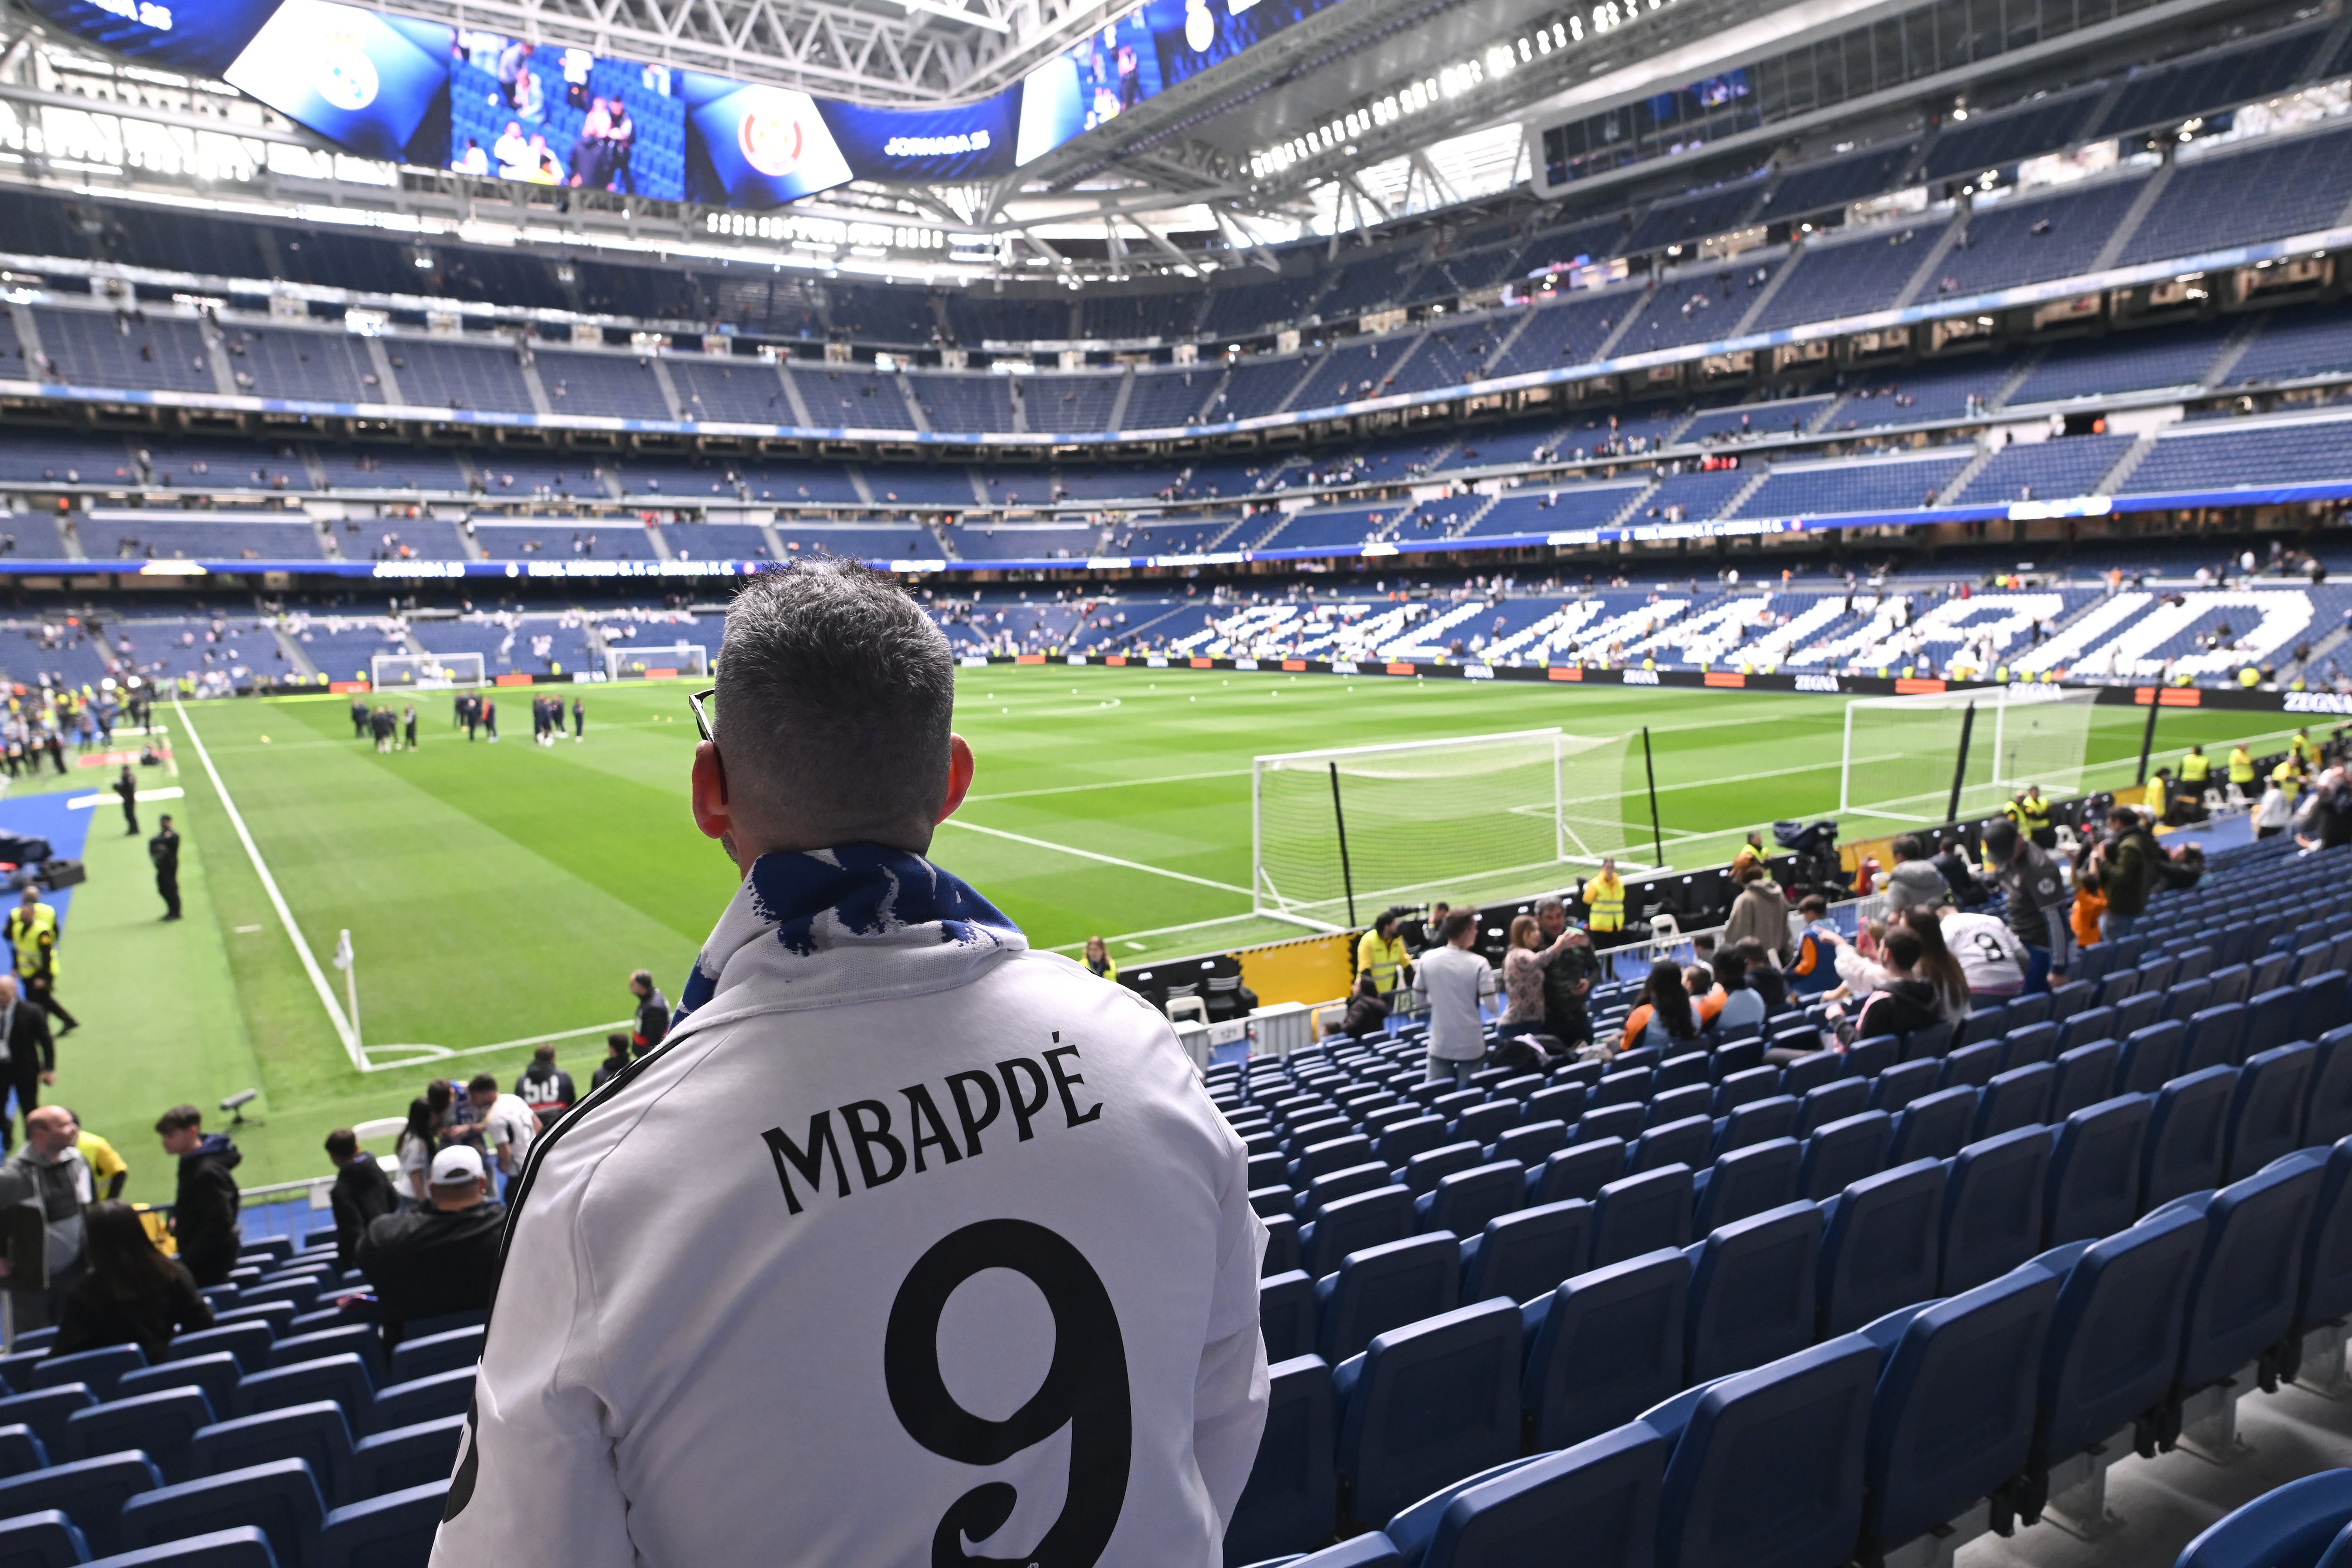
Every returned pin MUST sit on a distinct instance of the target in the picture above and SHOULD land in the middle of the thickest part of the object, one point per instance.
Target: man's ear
(709, 793)
(960, 772)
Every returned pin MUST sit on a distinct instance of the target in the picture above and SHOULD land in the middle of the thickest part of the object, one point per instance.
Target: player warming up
(909, 1243)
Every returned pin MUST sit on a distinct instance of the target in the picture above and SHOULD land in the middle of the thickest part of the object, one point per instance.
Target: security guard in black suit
(164, 850)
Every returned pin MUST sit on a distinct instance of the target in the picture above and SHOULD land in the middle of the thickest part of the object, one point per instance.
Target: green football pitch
(495, 895)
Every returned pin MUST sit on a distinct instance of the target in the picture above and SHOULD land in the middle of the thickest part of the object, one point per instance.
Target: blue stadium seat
(1286, 1315)
(160, 1423)
(1766, 1469)
(1372, 1548)
(1603, 1347)
(1382, 1287)
(2015, 1099)
(44, 1540)
(422, 1399)
(2027, 1011)
(2030, 1043)
(416, 1456)
(1972, 1065)
(1401, 1140)
(2271, 1019)
(1674, 1104)
(1689, 1141)
(1427, 1405)
(1843, 1152)
(2086, 1074)
(2150, 1058)
(1331, 1154)
(1580, 1170)
(1423, 1171)
(2086, 1027)
(2324, 1278)
(1532, 1142)
(1758, 1121)
(2094, 1171)
(1935, 1040)
(47, 1412)
(2216, 1037)
(1482, 1124)
(1868, 1059)
(1881, 1244)
(1562, 1102)
(2323, 1002)
(1830, 1102)
(1635, 1215)
(2184, 999)
(1901, 1084)
(2329, 1116)
(1333, 1186)
(21, 1452)
(216, 1374)
(1752, 1292)
(2287, 1527)
(1281, 1244)
(1811, 1072)
(1292, 1501)
(238, 1546)
(319, 1434)
(1952, 1420)
(2138, 1012)
(1992, 1207)
(1353, 1224)
(1933, 1127)
(342, 1378)
(100, 1369)
(1740, 1088)
(1619, 1121)
(249, 1342)
(278, 1317)
(2185, 1136)
(2114, 1340)
(1748, 1182)
(1463, 1202)
(90, 1492)
(1678, 1072)
(1624, 1087)
(394, 1531)
(2241, 1297)
(1525, 1254)
(2266, 1113)
(2232, 983)
(1601, 1494)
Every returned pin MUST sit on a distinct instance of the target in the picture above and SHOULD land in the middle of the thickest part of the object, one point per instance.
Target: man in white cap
(907, 1244)
(442, 1257)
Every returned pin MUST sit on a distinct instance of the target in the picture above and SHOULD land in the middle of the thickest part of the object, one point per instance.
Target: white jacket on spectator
(1453, 983)
(907, 1244)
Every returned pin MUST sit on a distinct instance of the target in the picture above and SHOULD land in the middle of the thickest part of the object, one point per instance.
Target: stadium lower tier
(1947, 1279)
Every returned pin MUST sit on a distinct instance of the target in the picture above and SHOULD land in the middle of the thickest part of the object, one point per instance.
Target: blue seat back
(2028, 1043)
(2069, 999)
(1353, 1224)
(1624, 1122)
(1843, 1152)
(394, 1531)
(1485, 1123)
(1992, 1208)
(21, 1452)
(2018, 1098)
(249, 1342)
(2234, 981)
(1673, 1104)
(2094, 1171)
(2150, 1058)
(1527, 1254)
(2242, 1299)
(1401, 1140)
(2087, 1076)
(2328, 1114)
(2090, 1024)
(1688, 1140)
(1333, 1186)
(1383, 1286)
(2266, 1113)
(1748, 1182)
(1933, 1127)
(1953, 1417)
(47, 1539)
(47, 1412)
(1331, 1154)
(1810, 1072)
(2323, 1004)
(1903, 1082)
(1428, 1405)
(2137, 1012)
(414, 1456)
(2287, 1527)
(90, 1492)
(2185, 1136)
(1868, 1059)
(2193, 963)
(342, 1378)
(1606, 1346)
(2114, 1340)
(1752, 1292)
(1292, 1499)
(2270, 1018)
(1830, 1102)
(1563, 1102)
(2028, 1010)
(1881, 1248)
(2216, 1037)
(1973, 1065)
(279, 1498)
(1739, 1088)
(1758, 1122)
(1624, 1087)
(1463, 1202)
(1281, 1244)
(422, 1399)
(100, 1369)
(1767, 1471)
(160, 1423)
(1639, 1214)
(2184, 999)
(1286, 1317)
(1601, 1494)
(1532, 1142)
(2324, 1286)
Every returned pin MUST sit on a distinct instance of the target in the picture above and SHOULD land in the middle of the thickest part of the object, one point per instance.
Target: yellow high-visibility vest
(2241, 765)
(24, 936)
(2194, 767)
(1604, 901)
(1384, 961)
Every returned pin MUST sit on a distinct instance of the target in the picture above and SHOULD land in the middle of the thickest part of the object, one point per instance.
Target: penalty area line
(1092, 855)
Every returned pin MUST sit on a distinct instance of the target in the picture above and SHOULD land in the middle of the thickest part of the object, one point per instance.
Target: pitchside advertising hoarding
(488, 104)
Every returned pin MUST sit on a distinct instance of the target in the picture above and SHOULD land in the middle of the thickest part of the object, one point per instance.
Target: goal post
(1462, 819)
(671, 661)
(1900, 754)
(425, 671)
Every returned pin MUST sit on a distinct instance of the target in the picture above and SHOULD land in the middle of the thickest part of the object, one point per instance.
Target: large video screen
(553, 116)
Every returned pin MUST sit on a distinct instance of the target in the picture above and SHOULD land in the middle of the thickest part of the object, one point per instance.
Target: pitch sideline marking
(1092, 855)
(343, 1030)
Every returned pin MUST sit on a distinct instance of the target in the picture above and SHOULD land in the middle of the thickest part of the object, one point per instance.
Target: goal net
(388, 671)
(1901, 752)
(668, 663)
(1477, 817)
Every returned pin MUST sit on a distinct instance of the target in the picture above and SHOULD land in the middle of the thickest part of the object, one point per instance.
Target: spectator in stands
(713, 1197)
(1380, 953)
(1905, 1001)
(1567, 977)
(1951, 863)
(1937, 966)
(414, 1150)
(1760, 913)
(2122, 867)
(1764, 976)
(2272, 814)
(1751, 853)
(1367, 1011)
(2035, 902)
(1525, 963)
(362, 1193)
(439, 1259)
(1914, 879)
(128, 1294)
(508, 1125)
(544, 1087)
(203, 1209)
(1814, 969)
(1452, 983)
(28, 1056)
(653, 1012)
(453, 1119)
(617, 1057)
(49, 1173)
(1663, 1017)
(1742, 1004)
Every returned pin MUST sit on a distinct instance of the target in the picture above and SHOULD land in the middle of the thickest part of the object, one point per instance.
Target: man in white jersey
(909, 1245)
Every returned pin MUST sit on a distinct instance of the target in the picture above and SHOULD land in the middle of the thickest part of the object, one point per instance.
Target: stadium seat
(1843, 1152)
(319, 1434)
(1752, 1292)
(1601, 1494)
(1758, 1121)
(403, 1457)
(1732, 1491)
(216, 1374)
(47, 1412)
(1868, 1059)
(1463, 1202)
(1580, 1170)
(1689, 1141)
(1624, 1122)
(1674, 1104)
(2138, 1012)
(1739, 1088)
(1746, 1181)
(47, 1539)
(1903, 1082)
(1562, 1102)
(2094, 1171)
(1427, 1405)
(249, 1342)
(1401, 1140)
(238, 1546)
(1932, 1127)
(2241, 1297)
(159, 1423)
(342, 1378)
(1952, 1420)
(394, 1531)
(21, 1452)
(1331, 1187)
(2185, 1136)
(2150, 1058)
(1881, 1245)
(1527, 1254)
(1624, 1087)
(1353, 1224)
(2028, 1043)
(279, 1498)
(1285, 1315)
(1810, 1072)
(2069, 999)
(1382, 1287)
(422, 1399)
(2184, 999)
(100, 1369)
(2266, 1113)
(2015, 1099)
(2216, 1039)
(2086, 1074)
(1972, 1066)
(1992, 1208)
(1531, 1142)
(90, 1492)
(360, 1340)
(1482, 1124)
(1331, 1154)
(1603, 1347)
(2231, 983)
(1635, 1215)
(2321, 1006)
(1291, 1502)
(2086, 1027)
(1281, 1244)
(2271, 1019)
(2329, 1116)
(2288, 1527)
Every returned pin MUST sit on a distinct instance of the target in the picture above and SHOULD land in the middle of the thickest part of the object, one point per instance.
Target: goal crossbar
(663, 661)
(1901, 756)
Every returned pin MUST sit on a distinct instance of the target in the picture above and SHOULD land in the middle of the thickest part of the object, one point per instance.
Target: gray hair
(1547, 904)
(836, 695)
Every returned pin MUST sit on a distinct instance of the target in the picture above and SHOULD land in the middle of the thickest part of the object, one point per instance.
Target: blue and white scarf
(815, 921)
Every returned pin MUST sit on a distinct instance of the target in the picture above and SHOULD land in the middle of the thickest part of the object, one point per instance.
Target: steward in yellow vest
(32, 934)
(1605, 899)
(2241, 767)
(2195, 767)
